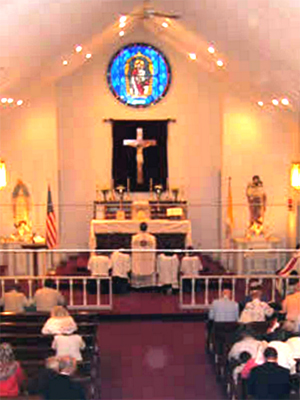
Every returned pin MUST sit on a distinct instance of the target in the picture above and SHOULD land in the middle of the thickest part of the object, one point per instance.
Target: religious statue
(21, 209)
(140, 145)
(257, 200)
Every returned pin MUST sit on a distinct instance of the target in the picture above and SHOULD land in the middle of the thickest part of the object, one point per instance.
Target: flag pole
(229, 222)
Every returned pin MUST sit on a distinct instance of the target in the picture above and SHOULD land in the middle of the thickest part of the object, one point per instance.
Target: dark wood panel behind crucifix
(140, 154)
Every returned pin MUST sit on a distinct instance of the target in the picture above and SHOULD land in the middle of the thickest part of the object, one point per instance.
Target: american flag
(51, 232)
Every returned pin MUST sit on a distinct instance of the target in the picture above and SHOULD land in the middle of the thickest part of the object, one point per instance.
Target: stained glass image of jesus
(139, 72)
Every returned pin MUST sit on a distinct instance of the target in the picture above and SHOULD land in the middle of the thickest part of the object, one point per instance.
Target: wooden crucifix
(140, 144)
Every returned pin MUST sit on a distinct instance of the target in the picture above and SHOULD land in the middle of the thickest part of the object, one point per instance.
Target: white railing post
(193, 282)
(30, 289)
(233, 288)
(220, 280)
(98, 292)
(84, 293)
(110, 293)
(71, 293)
(206, 292)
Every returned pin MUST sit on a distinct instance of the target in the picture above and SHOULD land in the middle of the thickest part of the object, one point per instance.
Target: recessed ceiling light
(123, 19)
(10, 100)
(65, 62)
(165, 24)
(88, 55)
(193, 56)
(78, 49)
(211, 49)
(285, 102)
(220, 63)
(275, 102)
(122, 24)
(260, 103)
(19, 102)
(121, 33)
(3, 100)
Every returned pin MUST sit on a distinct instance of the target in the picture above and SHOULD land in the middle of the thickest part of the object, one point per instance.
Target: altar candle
(151, 184)
(128, 185)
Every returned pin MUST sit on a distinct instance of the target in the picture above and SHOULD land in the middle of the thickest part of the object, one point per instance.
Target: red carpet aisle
(155, 360)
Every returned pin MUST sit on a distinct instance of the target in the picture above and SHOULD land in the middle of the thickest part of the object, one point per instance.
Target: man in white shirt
(285, 355)
(143, 262)
(14, 300)
(48, 297)
(247, 343)
(224, 309)
(121, 267)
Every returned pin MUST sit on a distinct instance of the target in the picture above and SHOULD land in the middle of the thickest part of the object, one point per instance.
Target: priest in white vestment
(143, 262)
(121, 267)
(99, 265)
(167, 270)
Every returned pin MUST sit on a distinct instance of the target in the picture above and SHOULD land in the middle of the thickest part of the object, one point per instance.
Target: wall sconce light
(2, 174)
(295, 175)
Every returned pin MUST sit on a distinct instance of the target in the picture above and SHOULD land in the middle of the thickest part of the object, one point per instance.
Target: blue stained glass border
(159, 77)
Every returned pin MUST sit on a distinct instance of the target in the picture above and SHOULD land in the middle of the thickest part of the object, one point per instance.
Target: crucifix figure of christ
(140, 144)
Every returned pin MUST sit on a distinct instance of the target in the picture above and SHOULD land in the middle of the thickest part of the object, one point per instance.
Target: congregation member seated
(281, 331)
(285, 356)
(143, 262)
(59, 323)
(11, 373)
(48, 297)
(55, 382)
(254, 284)
(14, 300)
(269, 380)
(256, 310)
(190, 267)
(291, 304)
(68, 345)
(244, 367)
(246, 342)
(224, 309)
(294, 344)
(121, 267)
(167, 271)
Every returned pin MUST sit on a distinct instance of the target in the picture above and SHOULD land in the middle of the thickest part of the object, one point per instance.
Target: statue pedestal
(256, 263)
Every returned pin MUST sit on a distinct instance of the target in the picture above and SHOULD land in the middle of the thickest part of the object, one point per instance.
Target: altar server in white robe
(143, 263)
(190, 267)
(167, 270)
(121, 267)
(99, 265)
(191, 264)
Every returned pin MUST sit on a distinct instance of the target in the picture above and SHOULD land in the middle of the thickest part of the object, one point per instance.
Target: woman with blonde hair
(11, 373)
(59, 323)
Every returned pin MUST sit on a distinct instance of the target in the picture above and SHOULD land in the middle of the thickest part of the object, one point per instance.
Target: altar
(248, 262)
(114, 234)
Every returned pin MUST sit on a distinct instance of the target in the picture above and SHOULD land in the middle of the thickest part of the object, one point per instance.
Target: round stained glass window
(139, 75)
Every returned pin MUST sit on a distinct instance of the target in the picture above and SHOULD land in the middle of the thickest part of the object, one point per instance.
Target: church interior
(153, 131)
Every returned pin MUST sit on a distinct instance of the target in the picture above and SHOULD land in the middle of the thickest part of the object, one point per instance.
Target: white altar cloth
(155, 226)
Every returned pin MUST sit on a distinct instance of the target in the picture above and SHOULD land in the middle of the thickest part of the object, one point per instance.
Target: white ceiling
(260, 39)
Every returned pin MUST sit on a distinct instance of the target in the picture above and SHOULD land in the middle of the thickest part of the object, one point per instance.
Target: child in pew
(59, 323)
(11, 373)
(246, 363)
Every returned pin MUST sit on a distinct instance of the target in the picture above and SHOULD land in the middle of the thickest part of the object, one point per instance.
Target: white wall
(29, 146)
(194, 145)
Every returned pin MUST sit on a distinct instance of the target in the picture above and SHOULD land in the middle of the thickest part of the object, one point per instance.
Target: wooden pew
(31, 348)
